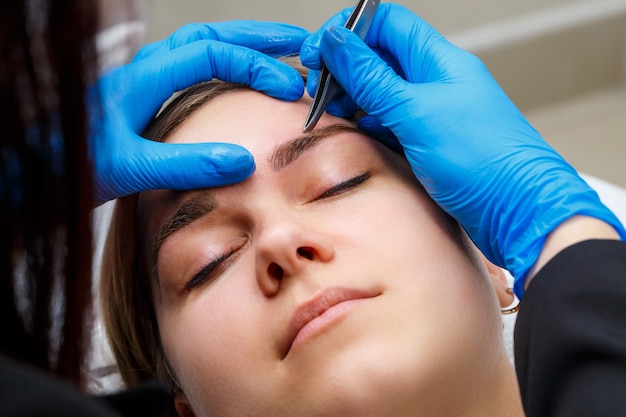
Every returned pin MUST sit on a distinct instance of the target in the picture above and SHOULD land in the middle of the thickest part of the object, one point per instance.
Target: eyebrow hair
(286, 153)
(191, 209)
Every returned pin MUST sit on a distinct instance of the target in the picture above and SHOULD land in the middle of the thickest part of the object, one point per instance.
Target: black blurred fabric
(26, 392)
(570, 334)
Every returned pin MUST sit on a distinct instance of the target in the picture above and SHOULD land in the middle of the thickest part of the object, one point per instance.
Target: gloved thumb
(191, 166)
(153, 165)
(366, 78)
(373, 127)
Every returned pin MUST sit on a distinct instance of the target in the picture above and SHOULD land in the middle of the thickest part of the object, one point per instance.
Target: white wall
(448, 16)
(539, 50)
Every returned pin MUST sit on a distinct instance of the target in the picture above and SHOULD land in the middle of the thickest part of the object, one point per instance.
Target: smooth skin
(424, 338)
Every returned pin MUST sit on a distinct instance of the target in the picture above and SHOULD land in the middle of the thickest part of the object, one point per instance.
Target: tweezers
(359, 22)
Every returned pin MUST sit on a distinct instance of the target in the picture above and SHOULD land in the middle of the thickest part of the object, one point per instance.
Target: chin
(362, 380)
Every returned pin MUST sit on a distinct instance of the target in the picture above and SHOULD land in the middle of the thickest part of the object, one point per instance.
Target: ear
(183, 408)
(499, 282)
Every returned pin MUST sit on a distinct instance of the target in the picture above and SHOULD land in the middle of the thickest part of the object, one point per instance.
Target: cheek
(422, 248)
(402, 227)
(428, 271)
(216, 337)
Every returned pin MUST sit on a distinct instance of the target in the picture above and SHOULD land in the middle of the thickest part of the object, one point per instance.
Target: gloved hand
(128, 98)
(470, 147)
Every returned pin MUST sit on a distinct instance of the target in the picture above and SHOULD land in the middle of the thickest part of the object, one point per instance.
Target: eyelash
(209, 270)
(344, 186)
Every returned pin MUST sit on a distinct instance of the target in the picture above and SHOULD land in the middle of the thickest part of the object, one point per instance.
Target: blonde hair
(126, 274)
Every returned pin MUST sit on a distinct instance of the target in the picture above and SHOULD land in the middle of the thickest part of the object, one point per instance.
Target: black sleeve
(570, 335)
(26, 392)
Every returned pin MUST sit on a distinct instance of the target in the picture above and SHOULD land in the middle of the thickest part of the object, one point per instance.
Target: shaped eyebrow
(191, 210)
(291, 150)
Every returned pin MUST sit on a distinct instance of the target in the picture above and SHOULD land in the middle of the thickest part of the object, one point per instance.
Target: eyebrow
(288, 152)
(191, 210)
(205, 202)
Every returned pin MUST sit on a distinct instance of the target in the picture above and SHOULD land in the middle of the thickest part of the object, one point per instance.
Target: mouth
(320, 311)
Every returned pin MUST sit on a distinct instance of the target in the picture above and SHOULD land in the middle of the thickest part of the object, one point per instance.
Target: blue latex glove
(130, 96)
(468, 144)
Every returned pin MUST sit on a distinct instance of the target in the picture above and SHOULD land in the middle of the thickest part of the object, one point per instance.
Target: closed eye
(343, 187)
(210, 270)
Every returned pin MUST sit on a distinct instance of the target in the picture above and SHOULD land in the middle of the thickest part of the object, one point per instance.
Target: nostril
(275, 271)
(305, 253)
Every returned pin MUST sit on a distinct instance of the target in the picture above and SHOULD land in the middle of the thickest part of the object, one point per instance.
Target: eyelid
(209, 271)
(343, 186)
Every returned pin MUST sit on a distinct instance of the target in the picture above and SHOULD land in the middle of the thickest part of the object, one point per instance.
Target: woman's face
(327, 284)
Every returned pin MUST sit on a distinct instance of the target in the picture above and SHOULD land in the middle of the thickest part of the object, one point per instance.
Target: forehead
(250, 119)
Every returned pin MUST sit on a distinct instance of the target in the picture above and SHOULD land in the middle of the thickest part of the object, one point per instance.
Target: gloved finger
(391, 24)
(189, 166)
(365, 77)
(309, 53)
(407, 43)
(391, 60)
(373, 127)
(342, 106)
(203, 60)
(154, 165)
(422, 53)
(272, 38)
(312, 80)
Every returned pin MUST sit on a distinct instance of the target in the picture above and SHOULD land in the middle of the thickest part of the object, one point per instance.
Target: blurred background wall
(563, 62)
(448, 16)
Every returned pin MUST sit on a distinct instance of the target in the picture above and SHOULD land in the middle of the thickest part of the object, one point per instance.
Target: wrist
(573, 230)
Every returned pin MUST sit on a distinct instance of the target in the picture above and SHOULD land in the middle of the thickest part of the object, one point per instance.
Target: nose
(285, 247)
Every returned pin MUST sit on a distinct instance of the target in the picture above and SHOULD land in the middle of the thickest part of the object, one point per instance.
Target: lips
(318, 305)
